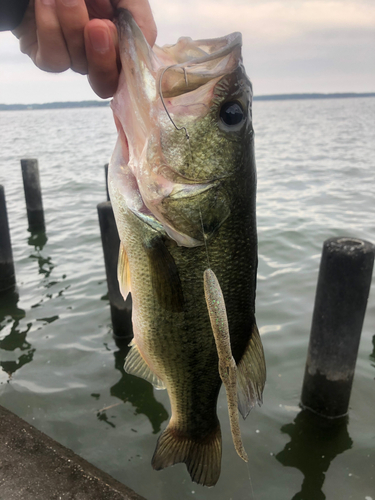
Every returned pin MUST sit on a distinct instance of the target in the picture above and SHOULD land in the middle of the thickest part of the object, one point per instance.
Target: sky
(289, 46)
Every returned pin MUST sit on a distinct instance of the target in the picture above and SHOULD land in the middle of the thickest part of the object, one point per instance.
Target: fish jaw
(161, 90)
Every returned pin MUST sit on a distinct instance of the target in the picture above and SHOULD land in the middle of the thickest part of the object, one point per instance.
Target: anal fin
(251, 374)
(136, 365)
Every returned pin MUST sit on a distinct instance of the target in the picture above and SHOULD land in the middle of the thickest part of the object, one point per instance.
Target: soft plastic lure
(227, 365)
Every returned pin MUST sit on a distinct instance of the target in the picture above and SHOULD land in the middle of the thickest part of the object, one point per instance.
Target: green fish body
(182, 182)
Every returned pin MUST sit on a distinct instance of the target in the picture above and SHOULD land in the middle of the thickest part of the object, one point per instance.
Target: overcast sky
(288, 46)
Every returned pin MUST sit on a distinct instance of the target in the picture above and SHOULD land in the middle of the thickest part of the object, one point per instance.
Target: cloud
(288, 46)
(266, 21)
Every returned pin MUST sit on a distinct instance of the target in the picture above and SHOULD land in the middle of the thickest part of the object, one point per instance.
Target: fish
(182, 183)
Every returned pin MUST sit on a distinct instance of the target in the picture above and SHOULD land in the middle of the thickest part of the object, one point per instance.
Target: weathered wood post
(33, 194)
(106, 180)
(120, 310)
(7, 274)
(340, 306)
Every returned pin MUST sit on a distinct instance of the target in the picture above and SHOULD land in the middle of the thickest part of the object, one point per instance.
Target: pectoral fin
(136, 365)
(251, 374)
(123, 272)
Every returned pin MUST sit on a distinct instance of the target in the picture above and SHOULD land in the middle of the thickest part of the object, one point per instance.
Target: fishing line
(250, 481)
(204, 238)
(185, 75)
(200, 212)
(252, 494)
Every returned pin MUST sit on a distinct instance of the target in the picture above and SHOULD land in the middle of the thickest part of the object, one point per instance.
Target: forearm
(11, 13)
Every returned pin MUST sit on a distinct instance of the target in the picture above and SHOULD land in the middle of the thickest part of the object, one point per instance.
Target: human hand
(78, 34)
(102, 45)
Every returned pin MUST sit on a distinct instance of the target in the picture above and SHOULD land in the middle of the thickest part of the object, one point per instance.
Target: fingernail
(99, 40)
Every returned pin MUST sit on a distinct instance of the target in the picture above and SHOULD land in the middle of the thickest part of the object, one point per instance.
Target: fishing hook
(162, 99)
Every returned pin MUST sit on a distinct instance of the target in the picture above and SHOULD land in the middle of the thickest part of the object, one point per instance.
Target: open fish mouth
(163, 90)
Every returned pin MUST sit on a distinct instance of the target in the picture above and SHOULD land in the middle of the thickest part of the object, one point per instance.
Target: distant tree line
(55, 105)
(101, 104)
(286, 97)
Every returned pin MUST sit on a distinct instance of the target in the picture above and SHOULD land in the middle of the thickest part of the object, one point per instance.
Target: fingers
(73, 16)
(58, 35)
(52, 54)
(142, 14)
(101, 50)
(60, 25)
(102, 44)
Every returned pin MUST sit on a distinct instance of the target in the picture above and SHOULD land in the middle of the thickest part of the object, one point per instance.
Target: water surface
(61, 369)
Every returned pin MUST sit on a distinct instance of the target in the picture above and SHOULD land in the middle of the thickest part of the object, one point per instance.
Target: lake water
(61, 369)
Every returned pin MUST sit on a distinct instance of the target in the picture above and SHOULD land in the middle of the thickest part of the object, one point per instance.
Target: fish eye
(231, 113)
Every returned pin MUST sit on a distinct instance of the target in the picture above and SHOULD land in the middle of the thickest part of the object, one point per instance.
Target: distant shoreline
(291, 97)
(101, 104)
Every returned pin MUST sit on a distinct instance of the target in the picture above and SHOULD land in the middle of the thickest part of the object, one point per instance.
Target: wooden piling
(7, 273)
(340, 306)
(106, 180)
(33, 194)
(120, 310)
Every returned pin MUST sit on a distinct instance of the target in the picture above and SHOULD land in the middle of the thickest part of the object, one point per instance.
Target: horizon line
(265, 97)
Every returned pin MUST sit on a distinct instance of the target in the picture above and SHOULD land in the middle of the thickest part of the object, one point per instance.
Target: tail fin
(202, 457)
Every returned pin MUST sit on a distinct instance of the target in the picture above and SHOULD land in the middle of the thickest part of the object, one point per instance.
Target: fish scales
(170, 193)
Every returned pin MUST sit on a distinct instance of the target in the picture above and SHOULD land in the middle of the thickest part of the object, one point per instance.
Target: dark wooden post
(7, 274)
(33, 194)
(340, 306)
(106, 179)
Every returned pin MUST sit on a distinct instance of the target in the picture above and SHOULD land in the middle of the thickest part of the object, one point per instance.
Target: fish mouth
(157, 88)
(195, 63)
(178, 68)
(153, 80)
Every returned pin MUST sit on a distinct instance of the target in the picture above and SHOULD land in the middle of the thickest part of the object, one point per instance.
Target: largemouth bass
(182, 183)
